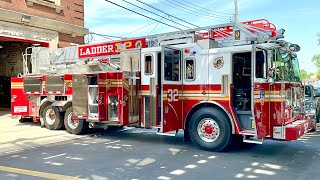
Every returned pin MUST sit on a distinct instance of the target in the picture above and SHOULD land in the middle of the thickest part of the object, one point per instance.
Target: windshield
(307, 91)
(286, 65)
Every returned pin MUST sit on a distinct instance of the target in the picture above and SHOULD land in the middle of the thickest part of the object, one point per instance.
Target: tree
(316, 59)
(304, 74)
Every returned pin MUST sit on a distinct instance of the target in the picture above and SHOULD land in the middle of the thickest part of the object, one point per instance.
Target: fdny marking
(173, 95)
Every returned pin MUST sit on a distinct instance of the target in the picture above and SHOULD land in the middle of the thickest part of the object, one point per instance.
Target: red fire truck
(215, 83)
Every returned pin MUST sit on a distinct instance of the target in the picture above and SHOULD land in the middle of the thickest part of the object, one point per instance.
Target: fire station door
(260, 91)
(171, 90)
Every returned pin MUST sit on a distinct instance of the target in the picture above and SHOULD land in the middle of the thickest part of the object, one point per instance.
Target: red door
(102, 103)
(261, 91)
(171, 90)
(19, 103)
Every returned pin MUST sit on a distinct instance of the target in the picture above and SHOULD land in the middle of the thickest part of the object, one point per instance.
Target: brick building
(48, 23)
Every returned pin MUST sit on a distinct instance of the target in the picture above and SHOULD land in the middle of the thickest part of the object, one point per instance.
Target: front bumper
(294, 130)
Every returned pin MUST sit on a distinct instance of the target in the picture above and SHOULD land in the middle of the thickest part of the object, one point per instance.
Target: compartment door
(80, 96)
(19, 103)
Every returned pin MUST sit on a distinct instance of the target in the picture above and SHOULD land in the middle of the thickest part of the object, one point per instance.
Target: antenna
(236, 12)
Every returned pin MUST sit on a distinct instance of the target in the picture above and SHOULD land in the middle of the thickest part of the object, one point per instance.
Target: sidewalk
(15, 136)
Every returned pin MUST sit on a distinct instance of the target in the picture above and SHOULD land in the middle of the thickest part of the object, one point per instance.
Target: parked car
(312, 102)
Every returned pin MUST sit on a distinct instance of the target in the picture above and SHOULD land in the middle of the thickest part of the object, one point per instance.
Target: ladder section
(229, 34)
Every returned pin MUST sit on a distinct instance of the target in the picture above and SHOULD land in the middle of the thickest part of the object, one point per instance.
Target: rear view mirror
(294, 47)
(271, 72)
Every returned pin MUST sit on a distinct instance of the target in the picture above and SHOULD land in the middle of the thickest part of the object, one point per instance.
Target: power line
(208, 10)
(154, 28)
(189, 10)
(155, 14)
(166, 13)
(105, 36)
(140, 28)
(142, 15)
(201, 10)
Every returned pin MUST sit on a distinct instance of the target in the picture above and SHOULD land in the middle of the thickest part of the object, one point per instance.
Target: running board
(250, 139)
(168, 134)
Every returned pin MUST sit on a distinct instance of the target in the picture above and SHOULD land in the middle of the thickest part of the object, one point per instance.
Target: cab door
(261, 92)
(171, 89)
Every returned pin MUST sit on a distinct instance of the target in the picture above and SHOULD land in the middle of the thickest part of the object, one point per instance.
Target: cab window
(148, 69)
(190, 69)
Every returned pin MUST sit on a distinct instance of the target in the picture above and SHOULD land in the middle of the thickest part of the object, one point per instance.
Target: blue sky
(298, 18)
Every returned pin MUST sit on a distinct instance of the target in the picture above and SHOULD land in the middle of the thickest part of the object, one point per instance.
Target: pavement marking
(112, 142)
(55, 156)
(37, 173)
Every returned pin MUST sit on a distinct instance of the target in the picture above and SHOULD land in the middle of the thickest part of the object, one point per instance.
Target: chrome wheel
(208, 130)
(72, 123)
(51, 116)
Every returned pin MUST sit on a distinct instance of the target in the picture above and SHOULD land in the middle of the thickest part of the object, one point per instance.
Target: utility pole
(236, 12)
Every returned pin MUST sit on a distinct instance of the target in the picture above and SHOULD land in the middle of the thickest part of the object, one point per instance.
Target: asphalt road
(141, 154)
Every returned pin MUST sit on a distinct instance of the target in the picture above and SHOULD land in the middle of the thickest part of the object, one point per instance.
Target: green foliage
(304, 74)
(316, 59)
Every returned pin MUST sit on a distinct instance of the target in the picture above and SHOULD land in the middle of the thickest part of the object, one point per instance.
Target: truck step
(252, 140)
(168, 134)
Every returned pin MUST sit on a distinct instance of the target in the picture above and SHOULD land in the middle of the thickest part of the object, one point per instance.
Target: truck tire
(210, 129)
(74, 126)
(53, 118)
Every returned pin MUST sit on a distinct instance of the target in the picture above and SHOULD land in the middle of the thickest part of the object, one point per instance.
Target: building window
(148, 67)
(50, 1)
(190, 69)
(55, 4)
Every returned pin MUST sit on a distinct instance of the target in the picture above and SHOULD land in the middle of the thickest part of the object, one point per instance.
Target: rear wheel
(74, 126)
(53, 118)
(210, 129)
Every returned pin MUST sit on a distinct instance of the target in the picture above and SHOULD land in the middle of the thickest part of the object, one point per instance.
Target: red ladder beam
(254, 26)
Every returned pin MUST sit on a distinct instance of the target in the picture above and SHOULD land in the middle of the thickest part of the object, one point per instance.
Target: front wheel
(74, 126)
(314, 128)
(210, 129)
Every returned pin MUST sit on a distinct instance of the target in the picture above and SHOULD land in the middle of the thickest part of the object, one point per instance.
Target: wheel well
(202, 105)
(47, 103)
(65, 107)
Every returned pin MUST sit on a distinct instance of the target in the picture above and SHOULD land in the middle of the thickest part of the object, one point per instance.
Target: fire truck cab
(215, 83)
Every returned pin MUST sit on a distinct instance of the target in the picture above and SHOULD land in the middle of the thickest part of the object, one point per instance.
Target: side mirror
(294, 47)
(271, 72)
(317, 95)
(270, 81)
